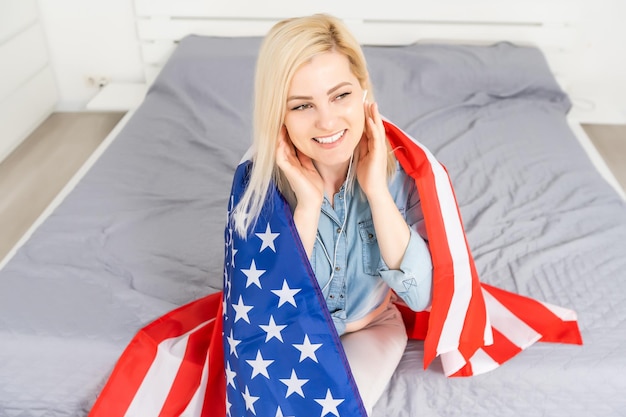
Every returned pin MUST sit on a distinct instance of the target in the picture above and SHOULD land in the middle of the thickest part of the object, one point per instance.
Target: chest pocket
(369, 244)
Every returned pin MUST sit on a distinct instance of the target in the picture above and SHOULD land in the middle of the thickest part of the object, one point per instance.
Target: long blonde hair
(289, 44)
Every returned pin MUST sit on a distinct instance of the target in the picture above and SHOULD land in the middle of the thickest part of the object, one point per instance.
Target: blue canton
(282, 354)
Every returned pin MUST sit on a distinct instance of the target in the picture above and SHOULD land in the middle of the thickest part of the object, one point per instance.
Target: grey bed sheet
(143, 231)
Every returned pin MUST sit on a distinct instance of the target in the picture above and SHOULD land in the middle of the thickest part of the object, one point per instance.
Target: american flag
(282, 355)
(266, 346)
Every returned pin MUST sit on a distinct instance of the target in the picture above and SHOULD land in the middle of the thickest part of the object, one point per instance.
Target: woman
(318, 134)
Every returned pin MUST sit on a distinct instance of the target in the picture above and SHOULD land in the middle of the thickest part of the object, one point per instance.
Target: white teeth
(330, 139)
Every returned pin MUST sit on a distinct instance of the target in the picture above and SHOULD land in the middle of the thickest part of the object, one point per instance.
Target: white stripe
(507, 323)
(455, 319)
(152, 393)
(194, 408)
(562, 313)
(452, 361)
(481, 362)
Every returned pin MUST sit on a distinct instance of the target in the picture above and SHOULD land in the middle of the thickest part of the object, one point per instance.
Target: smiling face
(324, 114)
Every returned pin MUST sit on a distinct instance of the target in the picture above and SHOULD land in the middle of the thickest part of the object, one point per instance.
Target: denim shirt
(361, 280)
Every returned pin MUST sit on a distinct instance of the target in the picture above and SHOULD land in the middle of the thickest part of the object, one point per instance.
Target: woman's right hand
(299, 170)
(308, 186)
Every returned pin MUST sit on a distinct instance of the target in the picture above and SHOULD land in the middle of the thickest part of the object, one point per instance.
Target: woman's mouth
(330, 139)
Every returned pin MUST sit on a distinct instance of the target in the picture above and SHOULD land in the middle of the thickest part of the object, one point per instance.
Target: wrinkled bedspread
(142, 233)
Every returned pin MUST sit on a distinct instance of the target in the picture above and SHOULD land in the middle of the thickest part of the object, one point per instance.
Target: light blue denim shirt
(361, 280)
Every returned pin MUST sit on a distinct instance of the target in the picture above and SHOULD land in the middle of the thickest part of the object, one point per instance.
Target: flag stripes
(458, 320)
(152, 372)
(176, 365)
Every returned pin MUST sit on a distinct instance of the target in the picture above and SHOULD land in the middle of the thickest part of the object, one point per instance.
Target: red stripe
(131, 368)
(215, 398)
(473, 333)
(416, 323)
(416, 164)
(189, 374)
(500, 351)
(464, 371)
(126, 378)
(538, 317)
(502, 348)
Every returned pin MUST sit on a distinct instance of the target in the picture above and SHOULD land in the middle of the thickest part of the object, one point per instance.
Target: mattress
(142, 232)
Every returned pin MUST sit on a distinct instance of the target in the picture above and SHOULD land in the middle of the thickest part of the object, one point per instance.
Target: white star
(329, 404)
(253, 275)
(250, 400)
(228, 405)
(230, 375)
(230, 286)
(224, 306)
(294, 385)
(259, 366)
(307, 350)
(232, 256)
(267, 239)
(286, 295)
(241, 311)
(232, 342)
(279, 413)
(273, 330)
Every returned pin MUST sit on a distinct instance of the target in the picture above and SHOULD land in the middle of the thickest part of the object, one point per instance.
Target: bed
(141, 232)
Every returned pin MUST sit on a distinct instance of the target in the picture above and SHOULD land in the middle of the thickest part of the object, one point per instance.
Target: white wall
(28, 91)
(98, 38)
(90, 38)
(601, 64)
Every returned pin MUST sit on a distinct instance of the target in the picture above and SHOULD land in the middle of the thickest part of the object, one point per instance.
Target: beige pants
(374, 353)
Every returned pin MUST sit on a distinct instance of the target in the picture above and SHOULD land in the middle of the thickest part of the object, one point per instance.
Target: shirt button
(331, 296)
(339, 230)
(337, 268)
(370, 235)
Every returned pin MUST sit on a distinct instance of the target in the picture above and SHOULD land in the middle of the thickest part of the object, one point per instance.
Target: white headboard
(550, 25)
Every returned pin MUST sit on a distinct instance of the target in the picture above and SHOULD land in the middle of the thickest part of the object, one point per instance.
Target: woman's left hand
(372, 165)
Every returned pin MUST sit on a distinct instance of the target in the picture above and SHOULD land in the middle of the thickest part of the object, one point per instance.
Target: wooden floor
(610, 141)
(39, 168)
(34, 173)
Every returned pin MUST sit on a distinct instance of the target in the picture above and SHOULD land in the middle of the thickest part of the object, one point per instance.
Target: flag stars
(307, 349)
(230, 375)
(250, 400)
(267, 239)
(272, 330)
(286, 294)
(259, 365)
(233, 252)
(228, 405)
(232, 343)
(279, 413)
(241, 311)
(294, 385)
(253, 275)
(329, 404)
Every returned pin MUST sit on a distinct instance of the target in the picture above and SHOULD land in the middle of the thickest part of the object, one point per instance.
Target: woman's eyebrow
(329, 92)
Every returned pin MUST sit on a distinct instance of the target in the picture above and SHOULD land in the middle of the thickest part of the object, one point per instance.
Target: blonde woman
(319, 136)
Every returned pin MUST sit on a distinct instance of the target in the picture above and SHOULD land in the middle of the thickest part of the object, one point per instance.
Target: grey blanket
(142, 233)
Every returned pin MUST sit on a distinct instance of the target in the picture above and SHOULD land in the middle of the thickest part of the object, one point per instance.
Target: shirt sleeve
(413, 281)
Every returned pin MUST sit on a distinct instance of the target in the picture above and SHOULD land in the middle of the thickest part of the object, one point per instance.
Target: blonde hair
(289, 44)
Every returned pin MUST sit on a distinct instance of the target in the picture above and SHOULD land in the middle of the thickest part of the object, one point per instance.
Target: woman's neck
(333, 177)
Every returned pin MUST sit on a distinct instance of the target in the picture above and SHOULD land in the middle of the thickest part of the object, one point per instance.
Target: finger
(378, 121)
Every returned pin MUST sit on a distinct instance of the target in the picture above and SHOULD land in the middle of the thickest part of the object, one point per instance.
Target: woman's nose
(326, 118)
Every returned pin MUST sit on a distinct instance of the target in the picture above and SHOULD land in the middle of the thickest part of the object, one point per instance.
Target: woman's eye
(301, 107)
(343, 95)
